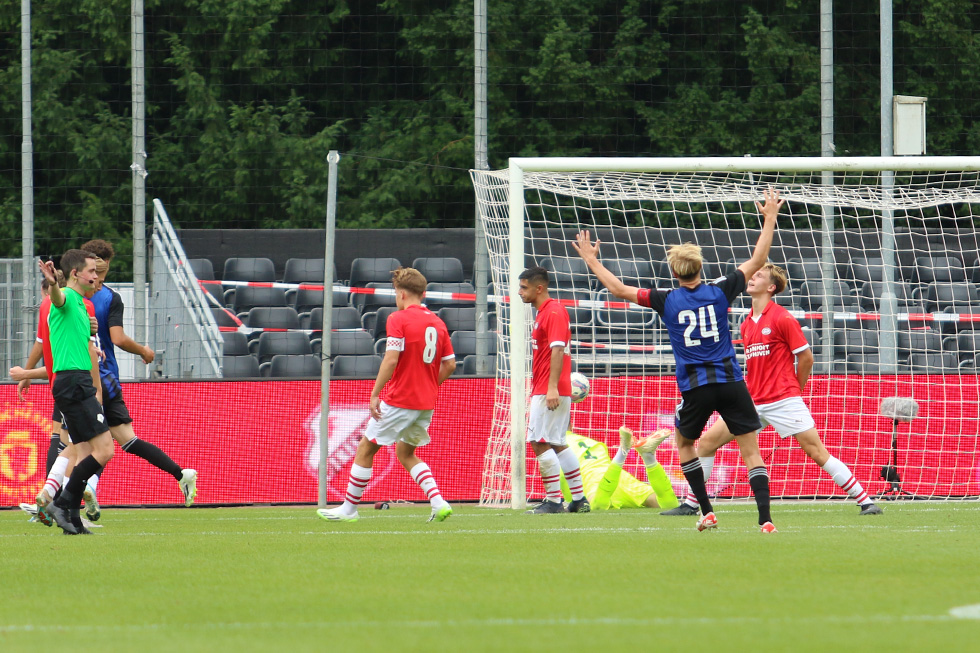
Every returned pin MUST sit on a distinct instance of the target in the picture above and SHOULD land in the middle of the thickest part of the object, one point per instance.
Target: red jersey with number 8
(423, 340)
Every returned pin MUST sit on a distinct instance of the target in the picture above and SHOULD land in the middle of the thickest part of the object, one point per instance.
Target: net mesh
(831, 238)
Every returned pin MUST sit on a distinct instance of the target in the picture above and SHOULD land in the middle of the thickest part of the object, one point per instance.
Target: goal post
(887, 214)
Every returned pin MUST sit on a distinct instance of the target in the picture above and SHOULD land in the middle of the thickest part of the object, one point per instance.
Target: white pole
(333, 157)
(27, 179)
(518, 343)
(139, 173)
(827, 177)
(481, 259)
(889, 300)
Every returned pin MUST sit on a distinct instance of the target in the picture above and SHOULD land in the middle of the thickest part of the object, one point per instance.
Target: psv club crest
(21, 459)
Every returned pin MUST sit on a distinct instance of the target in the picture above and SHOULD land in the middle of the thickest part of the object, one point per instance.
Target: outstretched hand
(47, 269)
(770, 209)
(583, 245)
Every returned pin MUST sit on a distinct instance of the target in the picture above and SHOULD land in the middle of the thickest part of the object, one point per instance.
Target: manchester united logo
(21, 467)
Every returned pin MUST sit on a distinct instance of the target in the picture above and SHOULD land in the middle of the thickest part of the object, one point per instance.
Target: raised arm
(590, 254)
(769, 211)
(47, 269)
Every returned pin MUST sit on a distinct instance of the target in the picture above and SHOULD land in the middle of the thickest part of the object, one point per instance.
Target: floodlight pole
(333, 158)
(27, 177)
(827, 177)
(889, 298)
(481, 259)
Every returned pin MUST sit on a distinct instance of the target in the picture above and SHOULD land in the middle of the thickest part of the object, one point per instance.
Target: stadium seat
(965, 345)
(803, 271)
(306, 299)
(863, 364)
(272, 343)
(464, 343)
(622, 318)
(239, 367)
(236, 344)
(566, 272)
(364, 366)
(787, 300)
(247, 298)
(867, 269)
(457, 318)
(871, 291)
(376, 322)
(305, 270)
(201, 267)
(842, 296)
(294, 365)
(434, 304)
(246, 269)
(249, 269)
(440, 270)
(469, 365)
(364, 271)
(933, 363)
(341, 317)
(272, 317)
(365, 303)
(224, 317)
(942, 295)
(632, 272)
(351, 343)
(938, 269)
(854, 341)
(920, 341)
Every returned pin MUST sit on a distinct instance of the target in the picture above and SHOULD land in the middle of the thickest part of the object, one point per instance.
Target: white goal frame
(518, 166)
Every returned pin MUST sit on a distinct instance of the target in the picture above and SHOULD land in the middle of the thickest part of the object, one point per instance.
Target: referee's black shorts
(731, 400)
(81, 413)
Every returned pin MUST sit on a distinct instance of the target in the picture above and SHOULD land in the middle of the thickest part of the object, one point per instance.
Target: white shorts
(787, 416)
(399, 424)
(549, 426)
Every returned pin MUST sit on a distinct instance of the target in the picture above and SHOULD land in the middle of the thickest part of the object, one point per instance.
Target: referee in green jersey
(74, 392)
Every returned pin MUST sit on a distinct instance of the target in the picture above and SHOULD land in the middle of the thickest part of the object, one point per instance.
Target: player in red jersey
(418, 358)
(773, 342)
(551, 403)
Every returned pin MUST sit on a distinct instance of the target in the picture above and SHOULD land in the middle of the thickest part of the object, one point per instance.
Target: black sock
(695, 478)
(759, 482)
(153, 455)
(71, 495)
(54, 448)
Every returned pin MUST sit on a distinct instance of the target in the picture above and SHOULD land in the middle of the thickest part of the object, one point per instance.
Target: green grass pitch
(279, 579)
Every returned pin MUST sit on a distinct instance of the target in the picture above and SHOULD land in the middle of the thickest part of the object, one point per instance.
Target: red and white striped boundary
(588, 303)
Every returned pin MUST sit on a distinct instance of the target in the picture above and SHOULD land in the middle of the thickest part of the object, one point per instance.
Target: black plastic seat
(367, 270)
(273, 343)
(296, 365)
(239, 367)
(440, 269)
(434, 304)
(235, 344)
(363, 366)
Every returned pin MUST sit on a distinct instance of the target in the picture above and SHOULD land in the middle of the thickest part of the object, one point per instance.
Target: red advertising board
(257, 442)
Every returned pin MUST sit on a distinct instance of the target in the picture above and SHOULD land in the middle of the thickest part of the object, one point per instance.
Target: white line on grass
(501, 622)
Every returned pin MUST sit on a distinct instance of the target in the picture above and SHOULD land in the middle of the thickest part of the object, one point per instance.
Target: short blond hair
(685, 260)
(777, 277)
(409, 280)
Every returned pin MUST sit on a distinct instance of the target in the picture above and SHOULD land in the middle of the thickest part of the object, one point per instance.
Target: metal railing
(189, 344)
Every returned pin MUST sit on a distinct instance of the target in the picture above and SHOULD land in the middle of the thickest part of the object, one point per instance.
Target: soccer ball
(580, 387)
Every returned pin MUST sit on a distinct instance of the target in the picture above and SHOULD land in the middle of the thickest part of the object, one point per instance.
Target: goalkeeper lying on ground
(607, 486)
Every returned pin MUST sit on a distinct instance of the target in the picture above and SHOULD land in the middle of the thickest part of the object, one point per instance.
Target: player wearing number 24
(708, 375)
(418, 358)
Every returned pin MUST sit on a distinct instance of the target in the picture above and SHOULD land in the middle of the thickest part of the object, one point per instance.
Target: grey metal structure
(18, 318)
(182, 329)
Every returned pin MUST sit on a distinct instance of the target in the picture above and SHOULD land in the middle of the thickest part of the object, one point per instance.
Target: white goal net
(882, 259)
